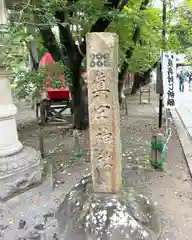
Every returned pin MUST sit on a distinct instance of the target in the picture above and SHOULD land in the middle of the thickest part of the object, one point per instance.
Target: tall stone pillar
(104, 117)
(9, 143)
(19, 166)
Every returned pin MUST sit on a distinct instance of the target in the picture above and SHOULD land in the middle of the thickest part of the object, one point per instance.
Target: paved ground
(25, 114)
(182, 117)
(184, 107)
(170, 189)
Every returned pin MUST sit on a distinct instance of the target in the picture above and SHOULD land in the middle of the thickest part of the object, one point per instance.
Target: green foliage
(147, 52)
(181, 29)
(15, 45)
(147, 49)
(31, 83)
(38, 14)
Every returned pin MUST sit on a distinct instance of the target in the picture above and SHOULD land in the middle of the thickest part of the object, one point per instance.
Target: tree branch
(50, 43)
(135, 39)
(130, 50)
(102, 23)
(66, 37)
(67, 41)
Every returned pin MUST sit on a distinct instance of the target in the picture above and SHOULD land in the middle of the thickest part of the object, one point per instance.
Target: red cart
(53, 102)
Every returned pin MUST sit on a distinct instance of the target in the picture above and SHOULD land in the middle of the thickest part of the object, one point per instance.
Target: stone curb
(184, 137)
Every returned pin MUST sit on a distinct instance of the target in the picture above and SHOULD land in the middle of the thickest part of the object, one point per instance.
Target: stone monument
(100, 207)
(104, 120)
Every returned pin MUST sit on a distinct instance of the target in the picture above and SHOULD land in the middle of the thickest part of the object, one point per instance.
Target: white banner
(169, 78)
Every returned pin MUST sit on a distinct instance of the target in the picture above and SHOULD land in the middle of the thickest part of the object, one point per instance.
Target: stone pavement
(182, 117)
(184, 108)
(25, 114)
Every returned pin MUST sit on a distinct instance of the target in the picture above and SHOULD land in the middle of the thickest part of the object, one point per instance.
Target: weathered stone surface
(19, 172)
(88, 216)
(105, 144)
(44, 213)
(33, 214)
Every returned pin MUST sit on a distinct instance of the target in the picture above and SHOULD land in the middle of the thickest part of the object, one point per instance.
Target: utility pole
(163, 39)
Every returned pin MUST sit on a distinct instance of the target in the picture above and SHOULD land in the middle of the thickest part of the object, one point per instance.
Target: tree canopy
(183, 30)
(60, 27)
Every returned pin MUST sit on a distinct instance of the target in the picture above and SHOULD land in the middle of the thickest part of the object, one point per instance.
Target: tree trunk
(136, 84)
(79, 102)
(141, 79)
(121, 83)
(129, 54)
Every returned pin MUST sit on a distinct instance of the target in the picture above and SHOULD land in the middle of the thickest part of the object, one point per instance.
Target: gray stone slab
(185, 138)
(20, 172)
(32, 215)
(186, 116)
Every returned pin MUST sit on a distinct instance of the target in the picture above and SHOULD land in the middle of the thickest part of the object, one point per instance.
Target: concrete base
(19, 172)
(44, 213)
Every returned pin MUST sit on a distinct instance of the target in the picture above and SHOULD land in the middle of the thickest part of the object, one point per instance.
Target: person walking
(181, 77)
(190, 82)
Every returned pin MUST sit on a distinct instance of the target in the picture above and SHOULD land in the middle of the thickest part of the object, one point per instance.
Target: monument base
(43, 213)
(19, 172)
(85, 215)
